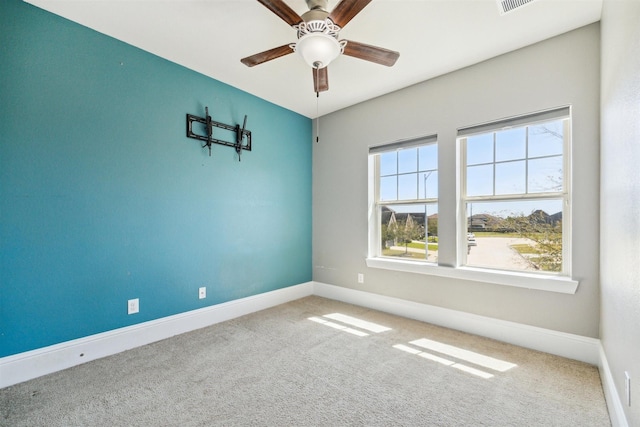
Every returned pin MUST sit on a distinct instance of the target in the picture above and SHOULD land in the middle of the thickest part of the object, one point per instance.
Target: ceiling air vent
(507, 6)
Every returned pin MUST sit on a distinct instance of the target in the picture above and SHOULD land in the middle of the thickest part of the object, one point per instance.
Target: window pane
(389, 163)
(511, 144)
(403, 231)
(408, 160)
(511, 177)
(428, 157)
(480, 180)
(545, 174)
(408, 186)
(521, 236)
(431, 179)
(480, 149)
(389, 188)
(546, 139)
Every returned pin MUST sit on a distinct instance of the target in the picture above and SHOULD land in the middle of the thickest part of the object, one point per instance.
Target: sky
(523, 160)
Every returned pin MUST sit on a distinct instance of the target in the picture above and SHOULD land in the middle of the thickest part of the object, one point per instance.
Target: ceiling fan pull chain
(317, 117)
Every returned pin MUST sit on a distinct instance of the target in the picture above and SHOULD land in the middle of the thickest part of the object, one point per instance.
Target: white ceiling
(433, 37)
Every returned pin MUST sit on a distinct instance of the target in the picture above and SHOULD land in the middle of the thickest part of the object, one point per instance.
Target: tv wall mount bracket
(243, 136)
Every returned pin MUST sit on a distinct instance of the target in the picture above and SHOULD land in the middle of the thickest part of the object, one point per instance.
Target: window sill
(541, 282)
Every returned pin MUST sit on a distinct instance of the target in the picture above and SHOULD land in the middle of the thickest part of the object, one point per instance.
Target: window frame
(375, 204)
(560, 283)
(526, 120)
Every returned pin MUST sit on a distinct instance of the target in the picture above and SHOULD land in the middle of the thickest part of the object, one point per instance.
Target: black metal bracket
(239, 144)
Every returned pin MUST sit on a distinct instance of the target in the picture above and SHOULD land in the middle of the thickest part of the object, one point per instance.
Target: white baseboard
(559, 343)
(31, 364)
(614, 404)
(28, 365)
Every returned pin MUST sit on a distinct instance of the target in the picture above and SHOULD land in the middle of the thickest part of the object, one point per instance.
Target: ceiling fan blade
(267, 55)
(379, 55)
(346, 10)
(281, 9)
(320, 80)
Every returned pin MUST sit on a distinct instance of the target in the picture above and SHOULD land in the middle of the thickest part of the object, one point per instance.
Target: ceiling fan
(318, 42)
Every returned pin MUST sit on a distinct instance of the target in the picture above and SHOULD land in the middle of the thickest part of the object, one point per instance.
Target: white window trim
(560, 284)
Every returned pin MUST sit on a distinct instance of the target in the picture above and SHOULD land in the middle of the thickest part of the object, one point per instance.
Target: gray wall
(560, 71)
(620, 201)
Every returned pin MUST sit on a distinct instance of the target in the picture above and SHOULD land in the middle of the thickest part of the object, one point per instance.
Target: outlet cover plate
(627, 387)
(133, 306)
(202, 292)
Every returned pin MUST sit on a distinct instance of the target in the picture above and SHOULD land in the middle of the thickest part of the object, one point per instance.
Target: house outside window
(404, 216)
(515, 195)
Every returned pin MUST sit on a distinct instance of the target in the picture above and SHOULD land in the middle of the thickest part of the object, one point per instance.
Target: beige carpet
(278, 367)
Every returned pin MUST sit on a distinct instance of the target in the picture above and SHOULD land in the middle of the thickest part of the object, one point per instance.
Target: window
(404, 218)
(512, 209)
(512, 215)
(516, 194)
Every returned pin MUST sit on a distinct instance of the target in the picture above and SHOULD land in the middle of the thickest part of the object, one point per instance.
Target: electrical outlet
(360, 278)
(627, 387)
(202, 292)
(133, 306)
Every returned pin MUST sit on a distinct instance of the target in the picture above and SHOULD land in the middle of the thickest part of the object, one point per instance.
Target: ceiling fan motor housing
(318, 5)
(317, 12)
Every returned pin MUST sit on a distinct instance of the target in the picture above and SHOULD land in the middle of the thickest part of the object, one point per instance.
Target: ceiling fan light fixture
(318, 49)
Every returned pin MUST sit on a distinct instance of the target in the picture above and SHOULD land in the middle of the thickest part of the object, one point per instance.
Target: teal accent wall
(104, 199)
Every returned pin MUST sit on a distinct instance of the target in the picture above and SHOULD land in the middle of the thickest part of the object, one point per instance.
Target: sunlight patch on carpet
(339, 327)
(347, 321)
(429, 356)
(466, 355)
(443, 361)
(473, 371)
(358, 323)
